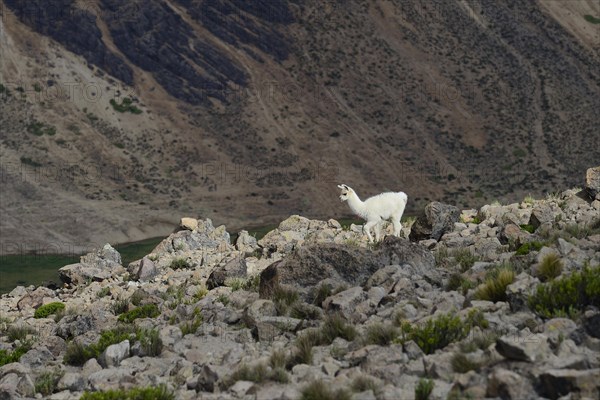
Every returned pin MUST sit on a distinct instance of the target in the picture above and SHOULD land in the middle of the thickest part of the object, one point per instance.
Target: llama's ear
(341, 186)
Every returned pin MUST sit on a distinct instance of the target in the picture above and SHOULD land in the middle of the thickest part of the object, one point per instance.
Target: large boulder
(97, 265)
(233, 268)
(204, 237)
(347, 266)
(592, 182)
(437, 219)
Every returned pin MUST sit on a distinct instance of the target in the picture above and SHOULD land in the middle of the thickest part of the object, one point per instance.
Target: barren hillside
(254, 111)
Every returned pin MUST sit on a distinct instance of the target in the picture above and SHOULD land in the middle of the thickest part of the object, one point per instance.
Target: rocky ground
(500, 302)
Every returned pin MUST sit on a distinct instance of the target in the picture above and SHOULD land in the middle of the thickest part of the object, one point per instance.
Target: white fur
(376, 209)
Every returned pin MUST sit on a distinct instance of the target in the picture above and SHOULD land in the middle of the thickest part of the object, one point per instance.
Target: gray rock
(412, 350)
(234, 268)
(246, 243)
(518, 292)
(509, 385)
(345, 302)
(524, 346)
(307, 266)
(35, 298)
(112, 378)
(269, 328)
(555, 383)
(114, 354)
(207, 378)
(241, 388)
(513, 233)
(98, 265)
(72, 381)
(71, 326)
(592, 182)
(205, 237)
(437, 219)
(558, 329)
(591, 323)
(146, 270)
(258, 309)
(37, 357)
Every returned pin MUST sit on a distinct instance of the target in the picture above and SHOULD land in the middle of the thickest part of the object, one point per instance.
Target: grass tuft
(549, 268)
(319, 390)
(494, 288)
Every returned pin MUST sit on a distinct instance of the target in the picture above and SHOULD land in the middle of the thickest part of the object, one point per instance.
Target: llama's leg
(378, 230)
(397, 226)
(367, 229)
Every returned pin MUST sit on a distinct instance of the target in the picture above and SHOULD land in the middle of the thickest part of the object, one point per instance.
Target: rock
(234, 268)
(205, 237)
(36, 357)
(90, 367)
(558, 329)
(114, 354)
(241, 388)
(345, 302)
(112, 378)
(191, 224)
(513, 233)
(246, 243)
(518, 292)
(556, 383)
(294, 223)
(72, 381)
(258, 309)
(509, 385)
(98, 265)
(307, 266)
(269, 328)
(437, 219)
(592, 182)
(36, 298)
(207, 378)
(524, 346)
(591, 323)
(543, 213)
(71, 326)
(146, 270)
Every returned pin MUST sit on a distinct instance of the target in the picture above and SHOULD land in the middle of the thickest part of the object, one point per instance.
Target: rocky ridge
(312, 302)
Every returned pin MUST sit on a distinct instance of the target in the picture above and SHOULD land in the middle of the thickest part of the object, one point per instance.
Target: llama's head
(346, 192)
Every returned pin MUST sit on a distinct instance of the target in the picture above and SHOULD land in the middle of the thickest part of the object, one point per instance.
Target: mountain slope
(252, 111)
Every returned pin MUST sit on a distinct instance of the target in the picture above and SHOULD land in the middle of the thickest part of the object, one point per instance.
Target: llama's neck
(357, 205)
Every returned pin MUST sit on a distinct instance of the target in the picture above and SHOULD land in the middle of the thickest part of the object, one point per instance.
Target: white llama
(376, 209)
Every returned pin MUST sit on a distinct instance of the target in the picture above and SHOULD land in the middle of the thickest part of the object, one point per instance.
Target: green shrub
(145, 311)
(380, 334)
(322, 292)
(126, 105)
(461, 364)
(494, 288)
(527, 228)
(105, 291)
(277, 359)
(45, 384)
(457, 281)
(257, 373)
(465, 259)
(303, 348)
(335, 326)
(319, 390)
(569, 294)
(591, 19)
(7, 357)
(526, 248)
(436, 333)
(39, 129)
(190, 327)
(423, 389)
(153, 393)
(19, 332)
(179, 263)
(120, 306)
(77, 354)
(549, 268)
(150, 341)
(48, 309)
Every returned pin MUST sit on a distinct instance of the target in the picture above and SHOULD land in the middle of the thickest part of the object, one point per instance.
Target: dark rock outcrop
(437, 219)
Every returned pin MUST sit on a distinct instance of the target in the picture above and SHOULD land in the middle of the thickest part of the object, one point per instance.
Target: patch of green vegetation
(549, 268)
(7, 357)
(480, 341)
(251, 284)
(322, 292)
(77, 354)
(462, 364)
(302, 310)
(568, 295)
(380, 334)
(519, 153)
(591, 19)
(223, 299)
(423, 389)
(458, 281)
(48, 309)
(105, 291)
(4, 90)
(30, 162)
(439, 332)
(335, 326)
(190, 327)
(179, 263)
(120, 306)
(494, 287)
(258, 373)
(475, 220)
(150, 341)
(527, 228)
(45, 383)
(126, 105)
(37, 87)
(153, 393)
(465, 258)
(319, 390)
(145, 311)
(528, 247)
(39, 129)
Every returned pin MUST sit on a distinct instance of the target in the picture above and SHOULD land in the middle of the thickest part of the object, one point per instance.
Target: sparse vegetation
(105, 291)
(155, 393)
(120, 306)
(423, 389)
(145, 311)
(77, 354)
(591, 19)
(462, 364)
(179, 263)
(19, 332)
(30, 162)
(527, 228)
(150, 342)
(45, 383)
(318, 390)
(126, 105)
(258, 373)
(48, 309)
(567, 295)
(40, 129)
(363, 383)
(528, 247)
(283, 299)
(494, 288)
(438, 332)
(323, 291)
(7, 357)
(380, 334)
(549, 268)
(465, 259)
(458, 281)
